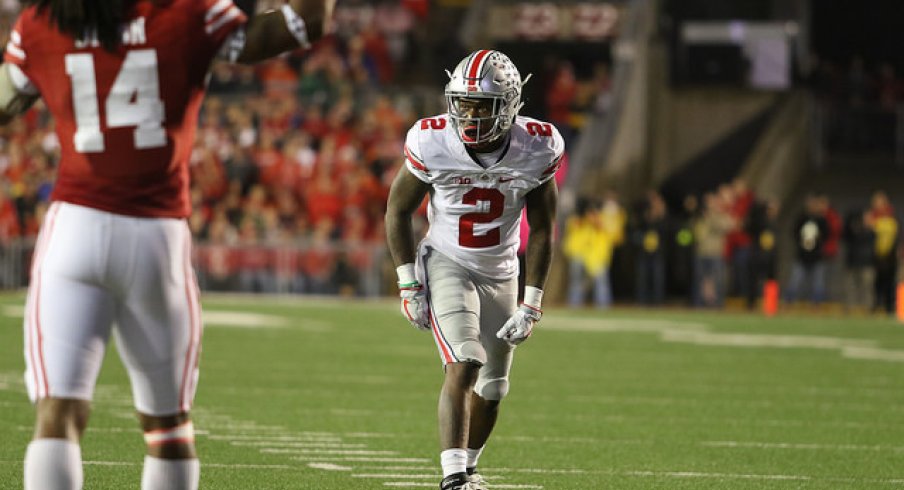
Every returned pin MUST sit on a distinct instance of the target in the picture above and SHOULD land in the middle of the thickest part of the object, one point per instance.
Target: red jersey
(126, 118)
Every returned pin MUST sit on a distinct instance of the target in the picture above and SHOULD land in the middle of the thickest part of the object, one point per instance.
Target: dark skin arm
(266, 34)
(405, 196)
(541, 216)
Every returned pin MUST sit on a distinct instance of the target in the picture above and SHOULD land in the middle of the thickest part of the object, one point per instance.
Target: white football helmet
(484, 75)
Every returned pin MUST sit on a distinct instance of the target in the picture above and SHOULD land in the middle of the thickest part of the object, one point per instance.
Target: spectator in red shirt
(322, 199)
(318, 259)
(269, 159)
(739, 199)
(9, 222)
(560, 96)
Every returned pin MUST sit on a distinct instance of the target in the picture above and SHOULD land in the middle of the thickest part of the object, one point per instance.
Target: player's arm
(541, 215)
(296, 24)
(405, 196)
(13, 100)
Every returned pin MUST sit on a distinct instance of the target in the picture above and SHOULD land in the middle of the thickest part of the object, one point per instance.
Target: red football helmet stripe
(474, 69)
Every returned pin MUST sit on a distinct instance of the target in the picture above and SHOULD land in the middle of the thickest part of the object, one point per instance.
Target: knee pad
(180, 434)
(493, 389)
(470, 351)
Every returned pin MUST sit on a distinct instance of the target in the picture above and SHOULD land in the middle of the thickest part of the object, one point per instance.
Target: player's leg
(171, 461)
(455, 324)
(498, 301)
(159, 338)
(455, 404)
(67, 324)
(53, 459)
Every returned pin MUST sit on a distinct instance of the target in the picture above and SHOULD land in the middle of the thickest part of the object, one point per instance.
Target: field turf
(328, 395)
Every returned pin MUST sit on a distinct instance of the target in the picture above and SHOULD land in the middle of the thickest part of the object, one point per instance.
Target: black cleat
(457, 481)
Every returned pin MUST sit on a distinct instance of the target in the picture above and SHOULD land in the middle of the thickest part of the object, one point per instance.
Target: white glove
(414, 305)
(414, 299)
(518, 328)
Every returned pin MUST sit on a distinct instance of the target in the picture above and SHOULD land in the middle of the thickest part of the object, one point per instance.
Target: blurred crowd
(726, 243)
(859, 101)
(293, 158)
(291, 164)
(571, 101)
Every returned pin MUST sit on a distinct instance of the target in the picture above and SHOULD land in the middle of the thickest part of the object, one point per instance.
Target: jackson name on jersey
(475, 212)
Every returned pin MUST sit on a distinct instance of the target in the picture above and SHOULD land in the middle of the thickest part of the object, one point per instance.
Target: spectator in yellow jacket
(590, 238)
(881, 219)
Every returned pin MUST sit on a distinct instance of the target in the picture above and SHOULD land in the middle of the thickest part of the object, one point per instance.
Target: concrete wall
(688, 121)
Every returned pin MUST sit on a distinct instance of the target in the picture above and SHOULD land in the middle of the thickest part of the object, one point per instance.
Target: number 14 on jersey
(134, 100)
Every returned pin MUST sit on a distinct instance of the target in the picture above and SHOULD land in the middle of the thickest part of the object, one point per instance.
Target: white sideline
(701, 334)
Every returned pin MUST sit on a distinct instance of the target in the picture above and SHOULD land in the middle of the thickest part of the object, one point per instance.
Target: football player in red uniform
(124, 81)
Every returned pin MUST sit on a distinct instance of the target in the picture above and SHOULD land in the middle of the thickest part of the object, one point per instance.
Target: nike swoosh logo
(505, 179)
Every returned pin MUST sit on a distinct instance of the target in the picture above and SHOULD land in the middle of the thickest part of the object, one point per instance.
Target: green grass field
(305, 394)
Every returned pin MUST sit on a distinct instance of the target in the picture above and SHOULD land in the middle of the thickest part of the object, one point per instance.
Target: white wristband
(406, 273)
(296, 26)
(533, 296)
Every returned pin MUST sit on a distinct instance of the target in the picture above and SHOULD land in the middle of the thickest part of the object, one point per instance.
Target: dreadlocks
(79, 18)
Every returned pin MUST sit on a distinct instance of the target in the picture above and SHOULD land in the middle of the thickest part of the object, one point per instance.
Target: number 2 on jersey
(466, 236)
(134, 100)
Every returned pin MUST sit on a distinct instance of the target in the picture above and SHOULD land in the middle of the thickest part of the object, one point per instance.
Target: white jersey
(475, 212)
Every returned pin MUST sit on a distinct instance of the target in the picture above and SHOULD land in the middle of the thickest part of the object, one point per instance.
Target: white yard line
(265, 438)
(14, 311)
(805, 446)
(700, 474)
(329, 467)
(750, 476)
(370, 434)
(631, 473)
(203, 465)
(287, 445)
(349, 452)
(399, 476)
(226, 318)
(358, 459)
(873, 354)
(549, 471)
(430, 484)
(251, 466)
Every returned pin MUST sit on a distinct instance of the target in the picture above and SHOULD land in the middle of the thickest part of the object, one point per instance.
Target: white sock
(170, 474)
(473, 456)
(453, 461)
(53, 464)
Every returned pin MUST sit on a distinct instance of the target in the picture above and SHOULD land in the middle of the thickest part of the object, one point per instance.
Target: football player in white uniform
(480, 163)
